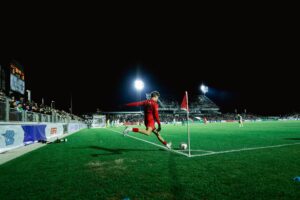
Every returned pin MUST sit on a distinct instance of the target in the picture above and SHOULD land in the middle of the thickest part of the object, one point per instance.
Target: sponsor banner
(34, 133)
(72, 127)
(14, 136)
(11, 137)
(54, 130)
(65, 127)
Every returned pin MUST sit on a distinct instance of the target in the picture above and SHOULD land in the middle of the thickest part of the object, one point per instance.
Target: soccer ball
(183, 146)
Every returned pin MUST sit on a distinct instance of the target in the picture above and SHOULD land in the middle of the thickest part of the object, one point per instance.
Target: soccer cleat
(126, 131)
(169, 145)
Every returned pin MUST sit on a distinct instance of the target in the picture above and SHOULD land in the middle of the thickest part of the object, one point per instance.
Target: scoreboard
(17, 78)
(16, 71)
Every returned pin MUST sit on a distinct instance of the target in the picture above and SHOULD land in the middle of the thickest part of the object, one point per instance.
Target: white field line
(171, 150)
(246, 149)
(198, 150)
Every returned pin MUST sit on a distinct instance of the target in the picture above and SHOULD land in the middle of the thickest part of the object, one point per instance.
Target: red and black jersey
(150, 109)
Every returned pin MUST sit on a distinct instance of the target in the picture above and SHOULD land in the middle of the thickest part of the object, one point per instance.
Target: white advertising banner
(11, 136)
(54, 130)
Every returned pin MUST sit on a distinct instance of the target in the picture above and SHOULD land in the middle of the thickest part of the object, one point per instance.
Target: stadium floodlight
(204, 89)
(139, 85)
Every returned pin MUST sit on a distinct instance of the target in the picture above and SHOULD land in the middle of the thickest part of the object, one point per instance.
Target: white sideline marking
(197, 150)
(245, 149)
(171, 150)
(209, 152)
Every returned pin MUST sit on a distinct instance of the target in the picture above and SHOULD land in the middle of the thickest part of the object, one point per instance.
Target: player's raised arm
(139, 103)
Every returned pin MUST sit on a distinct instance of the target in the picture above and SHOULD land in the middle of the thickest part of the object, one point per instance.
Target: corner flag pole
(188, 127)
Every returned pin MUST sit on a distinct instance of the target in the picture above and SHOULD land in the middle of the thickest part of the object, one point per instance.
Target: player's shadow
(292, 138)
(117, 150)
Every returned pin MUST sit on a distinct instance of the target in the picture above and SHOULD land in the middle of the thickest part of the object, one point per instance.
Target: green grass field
(102, 164)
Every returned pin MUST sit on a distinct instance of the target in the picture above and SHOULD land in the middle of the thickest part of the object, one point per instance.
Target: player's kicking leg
(147, 132)
(137, 130)
(161, 139)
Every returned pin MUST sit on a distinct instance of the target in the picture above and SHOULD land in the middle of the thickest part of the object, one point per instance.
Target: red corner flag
(184, 104)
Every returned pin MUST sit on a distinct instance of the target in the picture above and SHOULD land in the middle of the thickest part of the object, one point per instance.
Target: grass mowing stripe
(171, 150)
(246, 149)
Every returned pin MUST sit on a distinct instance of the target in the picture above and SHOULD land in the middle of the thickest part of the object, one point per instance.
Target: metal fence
(4, 109)
(8, 114)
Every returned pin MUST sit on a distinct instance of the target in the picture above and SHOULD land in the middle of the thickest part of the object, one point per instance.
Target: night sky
(245, 65)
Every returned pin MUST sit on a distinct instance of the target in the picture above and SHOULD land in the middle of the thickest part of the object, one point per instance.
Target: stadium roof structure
(203, 103)
(200, 104)
(122, 112)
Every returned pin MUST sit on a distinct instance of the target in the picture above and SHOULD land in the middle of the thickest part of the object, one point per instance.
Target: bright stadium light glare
(204, 88)
(138, 84)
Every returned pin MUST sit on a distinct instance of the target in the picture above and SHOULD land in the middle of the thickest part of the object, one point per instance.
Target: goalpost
(98, 121)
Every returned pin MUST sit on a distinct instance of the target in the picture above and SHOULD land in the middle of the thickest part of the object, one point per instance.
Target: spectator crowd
(23, 105)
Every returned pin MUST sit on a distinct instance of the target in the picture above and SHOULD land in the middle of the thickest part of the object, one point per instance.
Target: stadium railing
(8, 114)
(4, 109)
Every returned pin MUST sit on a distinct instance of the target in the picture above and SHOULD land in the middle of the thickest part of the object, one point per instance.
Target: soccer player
(240, 120)
(107, 123)
(151, 116)
(205, 120)
(174, 121)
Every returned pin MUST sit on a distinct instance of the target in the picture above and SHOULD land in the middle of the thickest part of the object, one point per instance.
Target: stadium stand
(24, 122)
(19, 110)
(202, 104)
(169, 110)
(199, 104)
(13, 105)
